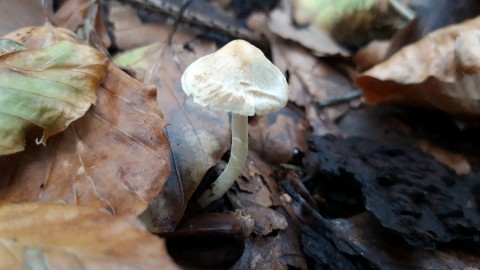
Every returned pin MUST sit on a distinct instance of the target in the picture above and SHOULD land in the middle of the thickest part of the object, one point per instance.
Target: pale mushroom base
(238, 158)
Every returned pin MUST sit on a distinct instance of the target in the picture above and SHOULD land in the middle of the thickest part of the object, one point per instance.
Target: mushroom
(237, 78)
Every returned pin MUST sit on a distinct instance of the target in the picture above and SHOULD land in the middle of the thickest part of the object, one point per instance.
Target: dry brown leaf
(72, 15)
(115, 157)
(311, 37)
(371, 54)
(280, 251)
(130, 32)
(440, 71)
(455, 161)
(36, 37)
(20, 13)
(256, 183)
(199, 136)
(42, 236)
(276, 136)
(266, 220)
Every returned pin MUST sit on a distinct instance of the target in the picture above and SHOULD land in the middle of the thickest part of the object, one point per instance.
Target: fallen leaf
(455, 161)
(8, 46)
(370, 55)
(18, 14)
(275, 136)
(115, 157)
(198, 136)
(48, 88)
(256, 183)
(37, 37)
(313, 38)
(439, 71)
(73, 15)
(266, 219)
(44, 236)
(281, 251)
(130, 32)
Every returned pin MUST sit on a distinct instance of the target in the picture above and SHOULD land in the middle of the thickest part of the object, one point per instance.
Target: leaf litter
(273, 245)
(440, 71)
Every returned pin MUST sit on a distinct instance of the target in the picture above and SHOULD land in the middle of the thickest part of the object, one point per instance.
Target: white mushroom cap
(237, 78)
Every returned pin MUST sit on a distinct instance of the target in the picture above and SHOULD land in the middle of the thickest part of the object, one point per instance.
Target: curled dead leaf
(442, 71)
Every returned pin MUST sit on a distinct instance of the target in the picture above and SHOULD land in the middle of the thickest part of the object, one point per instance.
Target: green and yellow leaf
(48, 88)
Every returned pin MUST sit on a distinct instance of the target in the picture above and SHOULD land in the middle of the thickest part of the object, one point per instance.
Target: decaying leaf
(17, 14)
(198, 136)
(130, 32)
(442, 71)
(455, 161)
(255, 183)
(280, 251)
(8, 46)
(47, 236)
(370, 55)
(311, 37)
(38, 37)
(73, 15)
(266, 219)
(276, 136)
(115, 157)
(49, 88)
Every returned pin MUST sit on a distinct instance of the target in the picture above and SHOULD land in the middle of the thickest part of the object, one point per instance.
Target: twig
(178, 19)
(402, 9)
(291, 167)
(287, 187)
(339, 100)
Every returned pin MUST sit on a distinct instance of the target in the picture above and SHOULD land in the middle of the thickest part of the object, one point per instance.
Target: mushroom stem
(238, 158)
